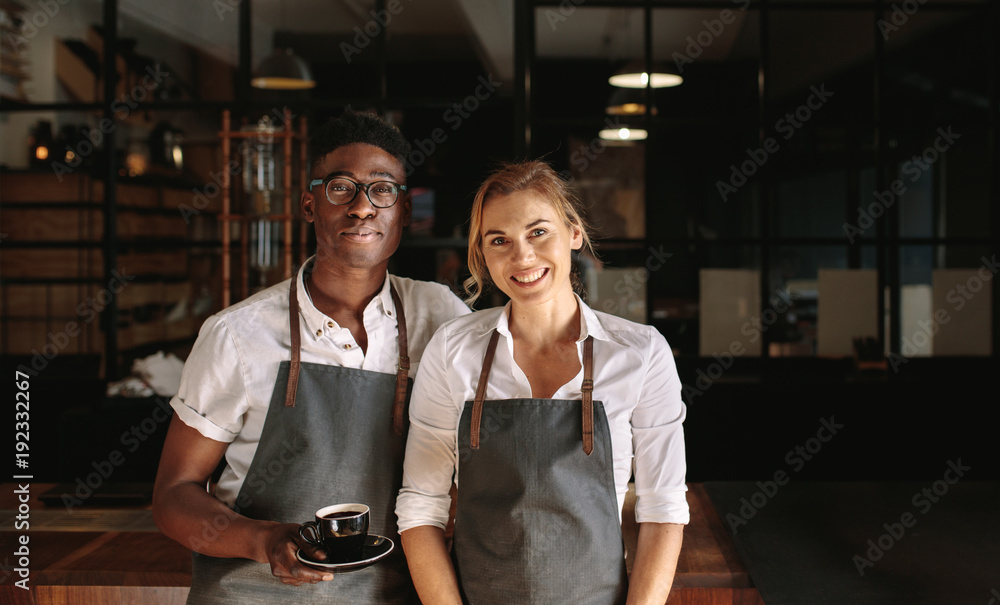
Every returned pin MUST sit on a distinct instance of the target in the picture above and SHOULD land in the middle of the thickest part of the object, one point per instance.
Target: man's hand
(280, 545)
(184, 510)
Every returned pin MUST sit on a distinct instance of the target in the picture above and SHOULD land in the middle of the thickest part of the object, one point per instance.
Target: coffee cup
(340, 530)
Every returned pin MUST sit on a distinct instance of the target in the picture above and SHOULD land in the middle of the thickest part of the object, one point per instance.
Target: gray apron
(537, 517)
(331, 435)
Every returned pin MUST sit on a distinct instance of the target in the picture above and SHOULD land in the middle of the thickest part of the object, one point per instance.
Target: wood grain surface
(82, 567)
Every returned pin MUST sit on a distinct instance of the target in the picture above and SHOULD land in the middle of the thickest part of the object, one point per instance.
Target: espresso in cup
(340, 530)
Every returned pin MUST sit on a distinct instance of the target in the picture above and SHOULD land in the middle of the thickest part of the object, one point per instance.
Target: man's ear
(308, 205)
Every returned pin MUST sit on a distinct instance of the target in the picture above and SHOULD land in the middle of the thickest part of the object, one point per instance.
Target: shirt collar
(590, 323)
(316, 322)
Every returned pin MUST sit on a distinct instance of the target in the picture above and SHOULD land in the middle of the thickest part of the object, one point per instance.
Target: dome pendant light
(283, 70)
(634, 75)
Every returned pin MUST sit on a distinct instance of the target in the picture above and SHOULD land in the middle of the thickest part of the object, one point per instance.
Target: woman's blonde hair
(533, 175)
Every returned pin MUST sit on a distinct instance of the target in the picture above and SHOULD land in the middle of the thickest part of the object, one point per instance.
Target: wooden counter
(94, 556)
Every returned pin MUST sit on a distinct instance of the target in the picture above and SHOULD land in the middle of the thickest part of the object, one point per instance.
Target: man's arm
(185, 511)
(656, 554)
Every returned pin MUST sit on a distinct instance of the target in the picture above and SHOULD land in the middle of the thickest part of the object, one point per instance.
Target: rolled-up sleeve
(429, 465)
(660, 466)
(212, 396)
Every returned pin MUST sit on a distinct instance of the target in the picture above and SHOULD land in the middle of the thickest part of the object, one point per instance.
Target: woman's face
(528, 247)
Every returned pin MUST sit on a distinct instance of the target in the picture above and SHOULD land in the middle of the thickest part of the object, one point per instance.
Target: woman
(538, 410)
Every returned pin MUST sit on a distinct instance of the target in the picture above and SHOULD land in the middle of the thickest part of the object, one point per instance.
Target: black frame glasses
(343, 201)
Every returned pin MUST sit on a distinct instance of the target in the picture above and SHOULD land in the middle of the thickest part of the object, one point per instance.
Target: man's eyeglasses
(342, 191)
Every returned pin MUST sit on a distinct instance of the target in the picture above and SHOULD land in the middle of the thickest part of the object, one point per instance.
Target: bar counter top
(90, 555)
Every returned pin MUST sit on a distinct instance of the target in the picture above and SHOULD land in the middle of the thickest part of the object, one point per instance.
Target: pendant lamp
(623, 134)
(283, 70)
(628, 102)
(634, 75)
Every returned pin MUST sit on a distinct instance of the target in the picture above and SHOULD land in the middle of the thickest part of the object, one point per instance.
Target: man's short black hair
(357, 127)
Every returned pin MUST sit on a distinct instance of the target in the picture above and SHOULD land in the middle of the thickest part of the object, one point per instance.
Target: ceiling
(808, 47)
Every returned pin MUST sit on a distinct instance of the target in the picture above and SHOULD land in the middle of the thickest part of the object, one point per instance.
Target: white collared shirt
(228, 379)
(634, 376)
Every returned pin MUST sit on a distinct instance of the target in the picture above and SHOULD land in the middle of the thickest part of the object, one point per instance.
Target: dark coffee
(341, 530)
(344, 549)
(342, 514)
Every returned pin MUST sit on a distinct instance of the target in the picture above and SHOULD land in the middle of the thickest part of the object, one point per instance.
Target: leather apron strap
(484, 375)
(293, 323)
(402, 371)
(587, 388)
(588, 395)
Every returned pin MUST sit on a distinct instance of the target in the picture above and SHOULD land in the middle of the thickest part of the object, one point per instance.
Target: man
(302, 389)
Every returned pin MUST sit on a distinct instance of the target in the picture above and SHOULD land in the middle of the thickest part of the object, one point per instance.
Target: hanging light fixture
(283, 70)
(623, 134)
(634, 75)
(628, 102)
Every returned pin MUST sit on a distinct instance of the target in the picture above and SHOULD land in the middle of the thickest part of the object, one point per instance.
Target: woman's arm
(656, 554)
(660, 468)
(424, 501)
(430, 566)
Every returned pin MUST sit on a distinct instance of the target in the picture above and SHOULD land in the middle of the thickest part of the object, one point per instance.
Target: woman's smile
(529, 278)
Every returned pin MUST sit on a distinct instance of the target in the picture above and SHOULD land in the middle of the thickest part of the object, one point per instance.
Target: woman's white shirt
(634, 376)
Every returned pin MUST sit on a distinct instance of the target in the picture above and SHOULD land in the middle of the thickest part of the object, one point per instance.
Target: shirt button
(319, 332)
(347, 346)
(389, 313)
(329, 324)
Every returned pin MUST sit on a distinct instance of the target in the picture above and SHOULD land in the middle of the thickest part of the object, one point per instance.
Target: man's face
(357, 235)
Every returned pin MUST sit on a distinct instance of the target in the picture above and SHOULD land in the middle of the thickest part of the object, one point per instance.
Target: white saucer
(375, 549)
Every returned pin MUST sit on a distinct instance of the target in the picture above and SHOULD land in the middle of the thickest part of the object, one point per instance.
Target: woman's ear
(576, 241)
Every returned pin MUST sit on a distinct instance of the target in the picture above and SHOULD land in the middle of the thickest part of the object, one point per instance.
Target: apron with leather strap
(537, 516)
(331, 435)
